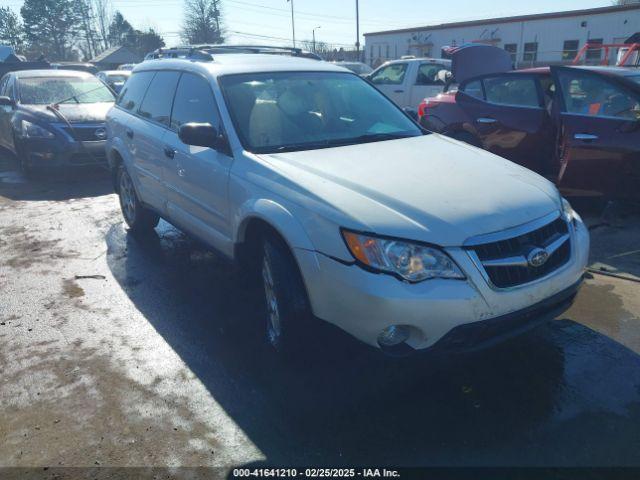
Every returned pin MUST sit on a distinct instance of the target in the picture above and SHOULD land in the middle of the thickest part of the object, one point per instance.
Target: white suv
(344, 208)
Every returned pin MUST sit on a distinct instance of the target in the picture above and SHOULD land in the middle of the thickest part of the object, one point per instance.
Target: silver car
(341, 205)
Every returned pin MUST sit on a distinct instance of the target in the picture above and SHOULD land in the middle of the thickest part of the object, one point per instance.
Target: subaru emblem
(537, 257)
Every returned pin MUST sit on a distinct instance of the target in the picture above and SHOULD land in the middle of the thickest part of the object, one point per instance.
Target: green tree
(202, 22)
(11, 31)
(147, 41)
(120, 30)
(51, 27)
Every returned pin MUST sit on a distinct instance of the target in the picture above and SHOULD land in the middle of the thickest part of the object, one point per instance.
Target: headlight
(411, 261)
(32, 130)
(569, 213)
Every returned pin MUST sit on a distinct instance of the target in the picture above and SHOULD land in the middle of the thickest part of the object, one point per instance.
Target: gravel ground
(123, 352)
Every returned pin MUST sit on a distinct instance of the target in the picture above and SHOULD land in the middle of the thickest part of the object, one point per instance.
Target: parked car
(54, 118)
(114, 79)
(578, 126)
(408, 81)
(360, 68)
(77, 66)
(307, 175)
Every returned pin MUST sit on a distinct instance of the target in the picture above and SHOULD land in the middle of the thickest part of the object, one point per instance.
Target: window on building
(512, 48)
(594, 52)
(530, 52)
(570, 50)
(387, 53)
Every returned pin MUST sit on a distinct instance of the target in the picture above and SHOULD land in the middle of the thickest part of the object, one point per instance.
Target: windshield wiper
(370, 137)
(75, 97)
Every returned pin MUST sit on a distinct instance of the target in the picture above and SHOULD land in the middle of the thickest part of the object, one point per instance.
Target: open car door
(598, 117)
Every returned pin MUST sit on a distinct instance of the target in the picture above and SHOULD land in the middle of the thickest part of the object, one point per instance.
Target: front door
(599, 118)
(197, 177)
(507, 114)
(392, 80)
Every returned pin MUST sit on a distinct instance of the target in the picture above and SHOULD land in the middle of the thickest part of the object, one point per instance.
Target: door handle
(398, 91)
(486, 120)
(169, 152)
(585, 137)
(129, 133)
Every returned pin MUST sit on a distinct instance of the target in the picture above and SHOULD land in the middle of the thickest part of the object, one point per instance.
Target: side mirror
(201, 135)
(7, 102)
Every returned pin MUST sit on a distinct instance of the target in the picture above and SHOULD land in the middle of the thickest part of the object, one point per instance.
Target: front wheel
(139, 218)
(288, 316)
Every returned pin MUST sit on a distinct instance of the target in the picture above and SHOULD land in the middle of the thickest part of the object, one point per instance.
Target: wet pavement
(122, 351)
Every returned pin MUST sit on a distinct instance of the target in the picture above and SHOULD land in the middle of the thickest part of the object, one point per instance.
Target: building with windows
(547, 38)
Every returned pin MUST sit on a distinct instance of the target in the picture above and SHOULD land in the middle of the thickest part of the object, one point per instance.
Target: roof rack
(206, 52)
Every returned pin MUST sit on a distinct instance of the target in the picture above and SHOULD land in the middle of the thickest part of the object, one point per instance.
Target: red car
(578, 126)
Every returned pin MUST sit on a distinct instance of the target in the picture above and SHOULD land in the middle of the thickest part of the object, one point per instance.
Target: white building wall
(549, 33)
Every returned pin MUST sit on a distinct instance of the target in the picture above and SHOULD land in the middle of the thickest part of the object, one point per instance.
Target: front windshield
(292, 111)
(47, 90)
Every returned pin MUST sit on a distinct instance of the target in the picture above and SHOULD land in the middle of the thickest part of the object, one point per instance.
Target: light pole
(313, 33)
(357, 30)
(293, 25)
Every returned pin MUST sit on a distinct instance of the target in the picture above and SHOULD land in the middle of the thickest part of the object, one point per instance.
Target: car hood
(429, 188)
(473, 60)
(89, 112)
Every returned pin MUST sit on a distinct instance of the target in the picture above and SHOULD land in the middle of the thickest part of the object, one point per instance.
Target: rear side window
(194, 102)
(134, 90)
(428, 74)
(474, 89)
(512, 90)
(156, 105)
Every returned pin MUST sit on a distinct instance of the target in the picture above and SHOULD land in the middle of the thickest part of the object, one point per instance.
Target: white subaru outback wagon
(343, 207)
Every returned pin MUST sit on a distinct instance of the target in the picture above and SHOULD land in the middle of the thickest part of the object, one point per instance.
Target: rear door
(426, 83)
(6, 113)
(392, 80)
(197, 177)
(507, 114)
(599, 118)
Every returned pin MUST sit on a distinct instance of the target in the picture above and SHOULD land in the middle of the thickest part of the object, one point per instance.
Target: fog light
(394, 335)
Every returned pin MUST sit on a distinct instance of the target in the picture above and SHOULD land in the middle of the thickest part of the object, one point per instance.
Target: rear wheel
(23, 162)
(287, 311)
(139, 218)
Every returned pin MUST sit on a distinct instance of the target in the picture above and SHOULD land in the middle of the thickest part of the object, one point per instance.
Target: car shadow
(561, 395)
(55, 185)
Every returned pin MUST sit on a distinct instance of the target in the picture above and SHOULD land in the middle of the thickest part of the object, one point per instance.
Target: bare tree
(11, 30)
(88, 41)
(202, 22)
(103, 11)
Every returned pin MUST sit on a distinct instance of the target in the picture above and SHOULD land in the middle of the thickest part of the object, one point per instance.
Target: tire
(139, 218)
(23, 166)
(287, 315)
(467, 138)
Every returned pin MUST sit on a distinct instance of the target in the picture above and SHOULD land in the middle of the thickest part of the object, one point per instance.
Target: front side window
(390, 74)
(48, 90)
(194, 102)
(293, 111)
(131, 95)
(156, 105)
(428, 74)
(512, 90)
(591, 95)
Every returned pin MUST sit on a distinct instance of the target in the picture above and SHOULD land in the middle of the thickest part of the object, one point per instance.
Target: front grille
(84, 158)
(520, 246)
(84, 134)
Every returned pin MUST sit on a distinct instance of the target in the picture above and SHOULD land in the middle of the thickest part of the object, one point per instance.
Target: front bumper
(364, 303)
(57, 153)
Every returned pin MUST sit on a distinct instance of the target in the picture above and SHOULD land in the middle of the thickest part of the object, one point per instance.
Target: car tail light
(424, 106)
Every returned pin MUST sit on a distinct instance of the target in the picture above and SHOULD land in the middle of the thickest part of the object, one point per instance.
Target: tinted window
(292, 111)
(3, 86)
(592, 95)
(428, 74)
(512, 90)
(474, 89)
(157, 101)
(134, 90)
(194, 102)
(390, 75)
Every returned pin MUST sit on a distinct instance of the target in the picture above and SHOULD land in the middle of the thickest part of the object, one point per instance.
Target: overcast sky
(248, 21)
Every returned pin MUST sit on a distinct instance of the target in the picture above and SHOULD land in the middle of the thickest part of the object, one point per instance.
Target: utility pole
(293, 25)
(313, 32)
(357, 30)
